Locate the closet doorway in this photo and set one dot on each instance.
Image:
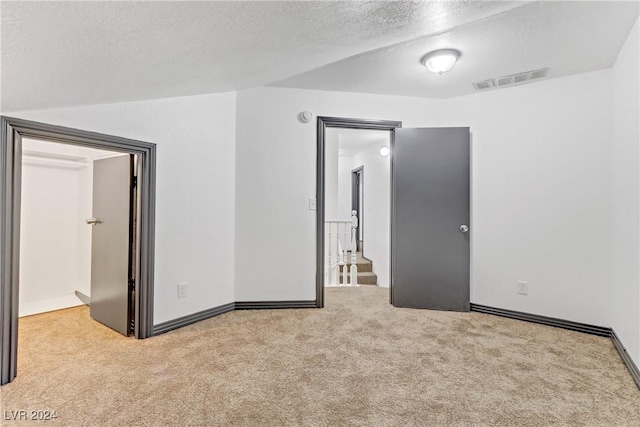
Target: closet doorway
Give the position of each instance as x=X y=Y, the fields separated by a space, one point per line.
x=125 y=187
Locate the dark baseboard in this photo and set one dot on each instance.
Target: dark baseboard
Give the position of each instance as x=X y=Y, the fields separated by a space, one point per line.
x=572 y=326
x=268 y=305
x=170 y=325
x=82 y=297
x=543 y=320
x=167 y=326
x=624 y=355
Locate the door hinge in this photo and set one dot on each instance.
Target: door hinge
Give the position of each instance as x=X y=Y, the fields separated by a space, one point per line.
x=135 y=182
x=132 y=284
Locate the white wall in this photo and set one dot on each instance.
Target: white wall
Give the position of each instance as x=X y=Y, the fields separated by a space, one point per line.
x=195 y=189
x=85 y=210
x=346 y=164
x=332 y=173
x=275 y=177
x=625 y=200
x=55 y=249
x=541 y=180
x=540 y=197
x=49 y=230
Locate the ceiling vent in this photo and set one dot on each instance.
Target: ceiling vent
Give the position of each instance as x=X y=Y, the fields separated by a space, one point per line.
x=512 y=80
x=485 y=84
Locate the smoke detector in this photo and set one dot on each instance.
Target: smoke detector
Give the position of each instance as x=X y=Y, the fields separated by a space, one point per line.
x=511 y=80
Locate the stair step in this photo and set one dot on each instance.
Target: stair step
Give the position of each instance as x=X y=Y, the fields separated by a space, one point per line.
x=364 y=278
x=363 y=264
x=363 y=267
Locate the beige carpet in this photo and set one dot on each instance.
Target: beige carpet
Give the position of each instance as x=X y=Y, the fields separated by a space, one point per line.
x=357 y=362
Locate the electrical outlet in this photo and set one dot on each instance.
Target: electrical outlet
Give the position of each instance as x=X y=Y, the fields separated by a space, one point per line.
x=182 y=290
x=523 y=287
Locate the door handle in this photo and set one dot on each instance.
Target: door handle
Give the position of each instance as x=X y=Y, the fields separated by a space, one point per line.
x=464 y=228
x=92 y=221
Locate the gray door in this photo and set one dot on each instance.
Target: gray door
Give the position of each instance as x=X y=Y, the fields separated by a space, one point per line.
x=111 y=242
x=430 y=218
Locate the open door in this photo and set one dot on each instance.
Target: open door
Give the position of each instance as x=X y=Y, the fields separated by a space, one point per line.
x=430 y=219
x=112 y=242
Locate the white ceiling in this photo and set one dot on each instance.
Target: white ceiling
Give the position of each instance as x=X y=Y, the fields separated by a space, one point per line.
x=74 y=53
x=567 y=37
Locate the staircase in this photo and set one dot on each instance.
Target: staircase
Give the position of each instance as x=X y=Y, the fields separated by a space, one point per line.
x=340 y=242
x=366 y=276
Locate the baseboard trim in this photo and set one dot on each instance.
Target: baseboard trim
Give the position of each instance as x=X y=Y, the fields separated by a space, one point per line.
x=170 y=325
x=544 y=320
x=626 y=359
x=269 y=305
x=82 y=297
x=572 y=326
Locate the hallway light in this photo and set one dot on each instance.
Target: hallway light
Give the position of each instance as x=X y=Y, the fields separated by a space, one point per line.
x=384 y=151
x=440 y=61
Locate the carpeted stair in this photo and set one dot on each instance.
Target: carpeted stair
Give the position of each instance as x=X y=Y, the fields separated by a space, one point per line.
x=366 y=276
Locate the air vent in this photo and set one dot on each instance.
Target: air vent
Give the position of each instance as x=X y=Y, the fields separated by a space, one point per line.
x=512 y=80
x=485 y=84
x=521 y=78
x=538 y=74
x=505 y=81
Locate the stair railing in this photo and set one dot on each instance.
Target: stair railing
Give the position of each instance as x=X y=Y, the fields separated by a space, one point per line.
x=338 y=235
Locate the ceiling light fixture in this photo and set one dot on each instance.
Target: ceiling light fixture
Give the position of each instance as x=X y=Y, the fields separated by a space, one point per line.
x=440 y=60
x=384 y=151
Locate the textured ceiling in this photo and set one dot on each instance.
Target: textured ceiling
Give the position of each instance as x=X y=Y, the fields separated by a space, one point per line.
x=74 y=53
x=567 y=37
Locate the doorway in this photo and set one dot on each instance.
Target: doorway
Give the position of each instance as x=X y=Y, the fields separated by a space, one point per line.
x=13 y=131
x=330 y=124
x=429 y=215
x=357 y=224
x=60 y=194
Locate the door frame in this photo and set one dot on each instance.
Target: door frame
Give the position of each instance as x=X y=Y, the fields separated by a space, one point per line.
x=355 y=203
x=325 y=122
x=12 y=130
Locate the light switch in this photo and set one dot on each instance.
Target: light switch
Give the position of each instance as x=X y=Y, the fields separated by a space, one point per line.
x=523 y=287
x=312 y=203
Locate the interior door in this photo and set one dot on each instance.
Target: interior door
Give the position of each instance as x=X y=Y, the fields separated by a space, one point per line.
x=430 y=218
x=111 y=245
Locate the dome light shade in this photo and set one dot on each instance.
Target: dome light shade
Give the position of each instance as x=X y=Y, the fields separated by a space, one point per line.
x=441 y=60
x=384 y=151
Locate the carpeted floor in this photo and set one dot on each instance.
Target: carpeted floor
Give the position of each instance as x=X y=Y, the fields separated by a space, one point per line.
x=357 y=362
